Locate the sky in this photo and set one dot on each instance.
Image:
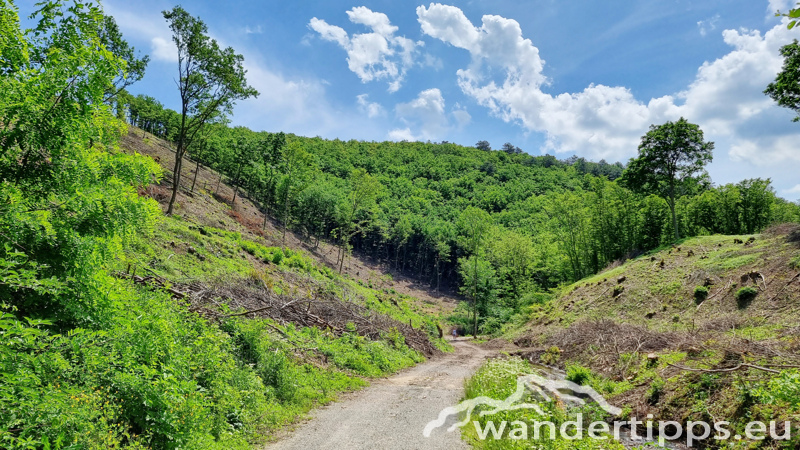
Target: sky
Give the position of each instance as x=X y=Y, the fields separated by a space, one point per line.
x=553 y=77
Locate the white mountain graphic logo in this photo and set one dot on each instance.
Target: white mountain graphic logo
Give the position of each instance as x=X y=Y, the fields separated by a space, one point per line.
x=563 y=390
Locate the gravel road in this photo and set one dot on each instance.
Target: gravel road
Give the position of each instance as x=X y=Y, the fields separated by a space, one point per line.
x=392 y=413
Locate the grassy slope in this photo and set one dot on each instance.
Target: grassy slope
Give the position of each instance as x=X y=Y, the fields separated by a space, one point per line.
x=210 y=242
x=662 y=297
x=612 y=322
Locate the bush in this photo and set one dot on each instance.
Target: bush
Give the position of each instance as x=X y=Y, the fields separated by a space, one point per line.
x=277 y=257
x=655 y=391
x=578 y=374
x=700 y=294
x=785 y=387
x=745 y=296
x=535 y=298
x=551 y=356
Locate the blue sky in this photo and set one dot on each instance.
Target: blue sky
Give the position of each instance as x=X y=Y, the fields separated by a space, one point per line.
x=560 y=77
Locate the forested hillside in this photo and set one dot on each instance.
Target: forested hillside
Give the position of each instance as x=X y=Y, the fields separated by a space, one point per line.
x=409 y=203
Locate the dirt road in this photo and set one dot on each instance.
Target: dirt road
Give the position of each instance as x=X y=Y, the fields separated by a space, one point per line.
x=392 y=413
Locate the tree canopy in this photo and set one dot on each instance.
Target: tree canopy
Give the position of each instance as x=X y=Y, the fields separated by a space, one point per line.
x=785 y=90
x=670 y=156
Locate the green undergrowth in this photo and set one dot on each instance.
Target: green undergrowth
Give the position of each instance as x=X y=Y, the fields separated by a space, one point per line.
x=738 y=398
x=497 y=379
x=152 y=375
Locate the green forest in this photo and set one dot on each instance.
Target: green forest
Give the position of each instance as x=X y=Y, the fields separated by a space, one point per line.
x=89 y=359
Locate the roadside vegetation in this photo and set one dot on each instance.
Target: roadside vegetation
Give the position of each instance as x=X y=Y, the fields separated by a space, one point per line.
x=144 y=308
x=498 y=380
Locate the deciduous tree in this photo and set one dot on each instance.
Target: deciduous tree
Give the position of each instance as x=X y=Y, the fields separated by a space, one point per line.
x=210 y=81
x=297 y=173
x=670 y=155
x=473 y=225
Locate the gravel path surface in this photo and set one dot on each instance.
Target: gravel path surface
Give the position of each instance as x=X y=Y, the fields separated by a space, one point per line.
x=392 y=413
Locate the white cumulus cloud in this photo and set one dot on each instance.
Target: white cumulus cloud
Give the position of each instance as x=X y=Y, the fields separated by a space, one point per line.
x=779 y=5
x=402 y=134
x=725 y=98
x=371 y=56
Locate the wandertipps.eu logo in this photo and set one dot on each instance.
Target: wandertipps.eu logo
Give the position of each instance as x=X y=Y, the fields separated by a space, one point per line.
x=546 y=390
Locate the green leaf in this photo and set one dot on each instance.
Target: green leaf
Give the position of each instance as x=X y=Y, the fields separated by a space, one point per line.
x=794 y=14
x=792 y=24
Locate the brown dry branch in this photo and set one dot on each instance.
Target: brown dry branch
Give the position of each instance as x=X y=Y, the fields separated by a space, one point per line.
x=597 y=298
x=608 y=340
x=785 y=286
x=725 y=289
x=731 y=369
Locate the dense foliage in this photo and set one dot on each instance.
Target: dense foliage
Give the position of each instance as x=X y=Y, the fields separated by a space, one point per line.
x=785 y=90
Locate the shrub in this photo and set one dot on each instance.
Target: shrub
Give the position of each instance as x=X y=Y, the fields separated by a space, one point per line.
x=491 y=325
x=700 y=294
x=745 y=295
x=578 y=374
x=535 y=298
x=277 y=257
x=551 y=356
x=785 y=387
x=655 y=391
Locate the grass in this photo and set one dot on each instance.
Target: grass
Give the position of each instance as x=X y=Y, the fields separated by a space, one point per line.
x=727 y=261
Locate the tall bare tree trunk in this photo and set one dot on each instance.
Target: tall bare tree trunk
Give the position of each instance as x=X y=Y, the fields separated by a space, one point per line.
x=285 y=220
x=196 y=171
x=176 y=180
x=475 y=300
x=674 y=216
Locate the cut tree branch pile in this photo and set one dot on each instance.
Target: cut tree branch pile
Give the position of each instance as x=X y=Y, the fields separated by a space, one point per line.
x=324 y=310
